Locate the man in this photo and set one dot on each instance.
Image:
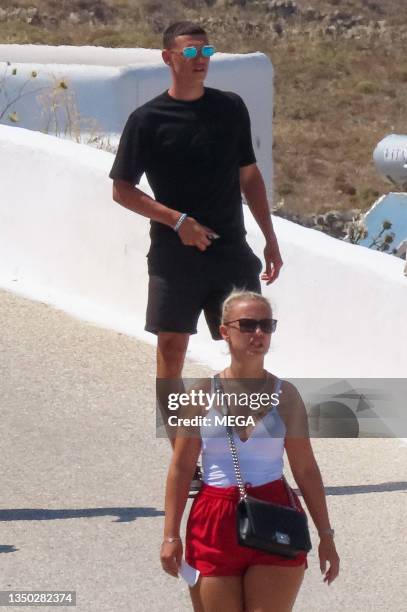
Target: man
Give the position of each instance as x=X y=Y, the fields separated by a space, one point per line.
x=194 y=144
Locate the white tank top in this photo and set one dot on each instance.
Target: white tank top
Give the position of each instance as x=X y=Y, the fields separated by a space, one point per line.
x=260 y=457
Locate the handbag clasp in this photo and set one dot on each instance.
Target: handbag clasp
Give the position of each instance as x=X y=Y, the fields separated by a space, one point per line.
x=282 y=538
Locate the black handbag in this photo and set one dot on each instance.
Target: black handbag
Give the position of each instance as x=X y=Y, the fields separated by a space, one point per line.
x=272 y=528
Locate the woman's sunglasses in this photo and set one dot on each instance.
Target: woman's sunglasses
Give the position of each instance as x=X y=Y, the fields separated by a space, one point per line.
x=249 y=326
x=192 y=52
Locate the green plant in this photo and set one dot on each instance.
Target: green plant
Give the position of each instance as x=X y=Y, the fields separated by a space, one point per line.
x=285 y=189
x=368 y=194
x=367 y=87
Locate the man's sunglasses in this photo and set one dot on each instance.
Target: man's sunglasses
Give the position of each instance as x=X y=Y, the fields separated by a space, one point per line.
x=192 y=52
x=249 y=326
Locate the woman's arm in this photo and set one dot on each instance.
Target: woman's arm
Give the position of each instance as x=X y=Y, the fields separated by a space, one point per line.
x=308 y=477
x=180 y=473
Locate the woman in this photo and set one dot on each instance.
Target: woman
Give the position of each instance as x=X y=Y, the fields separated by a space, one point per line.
x=234 y=578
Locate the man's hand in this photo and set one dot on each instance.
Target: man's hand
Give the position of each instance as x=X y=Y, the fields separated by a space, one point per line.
x=273 y=261
x=253 y=187
x=192 y=233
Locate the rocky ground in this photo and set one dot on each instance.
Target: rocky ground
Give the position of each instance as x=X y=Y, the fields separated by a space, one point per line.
x=274 y=17
x=340 y=79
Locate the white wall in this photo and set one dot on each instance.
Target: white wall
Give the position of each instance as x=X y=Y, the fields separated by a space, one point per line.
x=341 y=308
x=85 y=55
x=110 y=83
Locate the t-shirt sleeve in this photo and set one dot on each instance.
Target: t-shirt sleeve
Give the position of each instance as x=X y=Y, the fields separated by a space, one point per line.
x=131 y=157
x=246 y=151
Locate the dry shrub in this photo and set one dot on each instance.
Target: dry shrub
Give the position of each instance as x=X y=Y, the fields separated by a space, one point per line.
x=367 y=87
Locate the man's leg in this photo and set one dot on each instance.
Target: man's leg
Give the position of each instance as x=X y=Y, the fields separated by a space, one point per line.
x=174 y=303
x=238 y=270
x=171 y=350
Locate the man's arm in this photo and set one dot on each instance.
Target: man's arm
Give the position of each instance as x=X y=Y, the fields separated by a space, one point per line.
x=254 y=190
x=191 y=232
x=134 y=199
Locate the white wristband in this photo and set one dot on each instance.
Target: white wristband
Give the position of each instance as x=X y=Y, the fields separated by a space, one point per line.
x=171 y=540
x=180 y=222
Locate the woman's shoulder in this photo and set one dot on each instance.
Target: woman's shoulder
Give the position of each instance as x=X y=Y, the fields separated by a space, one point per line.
x=292 y=409
x=283 y=386
x=287 y=393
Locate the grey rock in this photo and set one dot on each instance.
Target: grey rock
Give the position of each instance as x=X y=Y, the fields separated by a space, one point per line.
x=310 y=14
x=278 y=28
x=331 y=216
x=350 y=215
x=31 y=11
x=14 y=13
x=339 y=16
x=330 y=30
x=36 y=20
x=74 y=18
x=31 y=15
x=283 y=8
x=308 y=220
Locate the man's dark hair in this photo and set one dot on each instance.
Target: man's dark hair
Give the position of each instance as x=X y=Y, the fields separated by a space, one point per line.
x=180 y=28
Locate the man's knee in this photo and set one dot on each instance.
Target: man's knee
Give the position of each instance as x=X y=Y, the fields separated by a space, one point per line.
x=172 y=344
x=171 y=350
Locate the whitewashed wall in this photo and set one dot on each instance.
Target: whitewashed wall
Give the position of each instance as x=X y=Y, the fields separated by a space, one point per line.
x=110 y=83
x=341 y=307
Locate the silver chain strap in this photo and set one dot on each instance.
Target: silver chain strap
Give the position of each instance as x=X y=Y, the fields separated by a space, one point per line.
x=235 y=458
x=236 y=465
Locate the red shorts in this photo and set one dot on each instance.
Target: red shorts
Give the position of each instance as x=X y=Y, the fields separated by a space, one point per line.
x=211 y=539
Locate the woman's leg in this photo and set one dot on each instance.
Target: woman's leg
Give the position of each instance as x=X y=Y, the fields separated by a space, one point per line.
x=218 y=594
x=272 y=588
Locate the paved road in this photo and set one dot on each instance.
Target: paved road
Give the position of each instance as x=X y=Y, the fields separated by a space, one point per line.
x=82 y=478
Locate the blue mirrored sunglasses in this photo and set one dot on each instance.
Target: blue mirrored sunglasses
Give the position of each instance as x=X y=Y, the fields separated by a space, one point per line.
x=192 y=52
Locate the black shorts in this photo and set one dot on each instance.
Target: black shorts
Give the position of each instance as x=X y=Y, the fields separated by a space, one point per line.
x=181 y=287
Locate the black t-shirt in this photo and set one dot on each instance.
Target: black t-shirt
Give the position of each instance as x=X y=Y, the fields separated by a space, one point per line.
x=191 y=152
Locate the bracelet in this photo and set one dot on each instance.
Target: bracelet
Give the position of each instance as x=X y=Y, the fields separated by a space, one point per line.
x=330 y=532
x=180 y=222
x=171 y=540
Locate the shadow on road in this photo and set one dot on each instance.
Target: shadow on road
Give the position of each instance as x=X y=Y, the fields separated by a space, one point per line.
x=124 y=515
x=385 y=487
x=7 y=548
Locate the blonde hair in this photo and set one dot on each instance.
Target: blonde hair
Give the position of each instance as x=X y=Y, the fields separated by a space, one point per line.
x=238 y=295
